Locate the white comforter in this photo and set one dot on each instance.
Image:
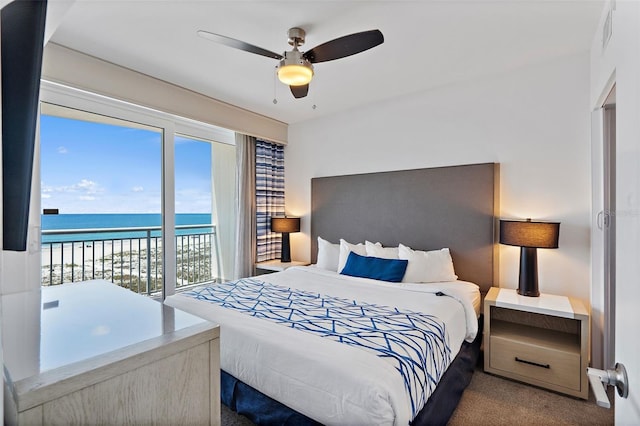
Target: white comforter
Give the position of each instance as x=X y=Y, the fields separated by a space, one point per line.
x=331 y=382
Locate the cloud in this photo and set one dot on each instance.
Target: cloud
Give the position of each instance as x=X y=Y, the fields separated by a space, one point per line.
x=88 y=186
x=62 y=150
x=45 y=188
x=137 y=189
x=85 y=186
x=88 y=196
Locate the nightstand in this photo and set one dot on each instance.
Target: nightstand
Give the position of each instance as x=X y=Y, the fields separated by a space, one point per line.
x=270 y=266
x=543 y=341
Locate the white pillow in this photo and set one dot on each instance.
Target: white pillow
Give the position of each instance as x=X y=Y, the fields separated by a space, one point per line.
x=328 y=255
x=376 y=250
x=427 y=266
x=345 y=249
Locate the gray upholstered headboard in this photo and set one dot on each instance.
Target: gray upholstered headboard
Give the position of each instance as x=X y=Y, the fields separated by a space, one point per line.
x=425 y=209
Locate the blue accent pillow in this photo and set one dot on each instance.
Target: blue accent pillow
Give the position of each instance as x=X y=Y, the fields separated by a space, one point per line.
x=375 y=268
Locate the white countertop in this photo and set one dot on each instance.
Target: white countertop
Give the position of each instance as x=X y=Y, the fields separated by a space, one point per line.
x=549 y=304
x=60 y=325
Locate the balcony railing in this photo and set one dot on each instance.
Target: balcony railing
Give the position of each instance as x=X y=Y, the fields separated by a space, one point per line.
x=129 y=257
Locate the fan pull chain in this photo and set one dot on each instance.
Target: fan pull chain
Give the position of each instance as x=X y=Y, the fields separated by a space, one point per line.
x=313 y=106
x=275 y=101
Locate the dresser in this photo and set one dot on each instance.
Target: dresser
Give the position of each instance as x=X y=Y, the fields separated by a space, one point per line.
x=95 y=353
x=542 y=340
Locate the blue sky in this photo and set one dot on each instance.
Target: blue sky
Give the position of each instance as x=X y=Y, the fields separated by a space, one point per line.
x=91 y=167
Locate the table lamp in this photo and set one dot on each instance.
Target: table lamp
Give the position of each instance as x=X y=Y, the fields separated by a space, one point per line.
x=529 y=236
x=285 y=225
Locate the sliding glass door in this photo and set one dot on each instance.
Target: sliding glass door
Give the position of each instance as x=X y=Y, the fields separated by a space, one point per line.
x=101 y=188
x=197 y=253
x=139 y=197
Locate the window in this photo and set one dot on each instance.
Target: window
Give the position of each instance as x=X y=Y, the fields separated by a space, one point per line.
x=101 y=176
x=135 y=181
x=197 y=253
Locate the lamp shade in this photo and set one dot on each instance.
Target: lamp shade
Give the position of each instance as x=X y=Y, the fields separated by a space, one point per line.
x=529 y=234
x=285 y=224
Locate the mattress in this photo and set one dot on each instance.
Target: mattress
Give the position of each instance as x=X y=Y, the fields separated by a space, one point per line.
x=332 y=377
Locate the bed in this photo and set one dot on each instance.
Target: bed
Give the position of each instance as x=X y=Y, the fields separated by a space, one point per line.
x=298 y=338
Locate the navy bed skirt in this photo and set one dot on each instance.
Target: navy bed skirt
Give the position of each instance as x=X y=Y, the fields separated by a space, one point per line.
x=262 y=410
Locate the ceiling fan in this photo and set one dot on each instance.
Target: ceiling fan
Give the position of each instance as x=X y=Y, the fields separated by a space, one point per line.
x=295 y=68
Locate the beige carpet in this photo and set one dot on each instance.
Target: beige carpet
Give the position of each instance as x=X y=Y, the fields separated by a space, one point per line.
x=491 y=400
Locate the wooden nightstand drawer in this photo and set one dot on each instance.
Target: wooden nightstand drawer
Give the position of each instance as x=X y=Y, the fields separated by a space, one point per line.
x=537 y=363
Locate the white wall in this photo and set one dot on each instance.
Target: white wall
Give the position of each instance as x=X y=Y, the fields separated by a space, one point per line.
x=534 y=122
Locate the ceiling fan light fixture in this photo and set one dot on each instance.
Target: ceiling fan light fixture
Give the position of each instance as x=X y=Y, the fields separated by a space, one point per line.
x=295 y=75
x=294 y=70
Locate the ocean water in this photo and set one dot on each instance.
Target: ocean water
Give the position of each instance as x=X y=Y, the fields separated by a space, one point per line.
x=92 y=222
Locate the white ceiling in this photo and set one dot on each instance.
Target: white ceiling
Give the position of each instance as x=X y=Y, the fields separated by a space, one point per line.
x=427 y=44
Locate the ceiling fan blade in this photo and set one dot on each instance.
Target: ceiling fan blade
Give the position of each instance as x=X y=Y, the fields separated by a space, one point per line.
x=237 y=44
x=344 y=46
x=299 y=91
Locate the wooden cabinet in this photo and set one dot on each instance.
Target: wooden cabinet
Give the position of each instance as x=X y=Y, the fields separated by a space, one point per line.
x=542 y=340
x=96 y=353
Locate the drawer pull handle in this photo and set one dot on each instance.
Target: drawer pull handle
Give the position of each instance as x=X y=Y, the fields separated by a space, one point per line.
x=524 y=361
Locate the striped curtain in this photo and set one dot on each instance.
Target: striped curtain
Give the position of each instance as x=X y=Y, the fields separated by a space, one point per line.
x=269 y=197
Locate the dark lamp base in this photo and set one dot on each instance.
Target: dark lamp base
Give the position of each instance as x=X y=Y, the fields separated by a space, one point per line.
x=285 y=254
x=529 y=293
x=528 y=281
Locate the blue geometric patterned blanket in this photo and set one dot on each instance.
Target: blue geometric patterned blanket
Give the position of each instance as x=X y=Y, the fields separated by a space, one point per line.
x=416 y=344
